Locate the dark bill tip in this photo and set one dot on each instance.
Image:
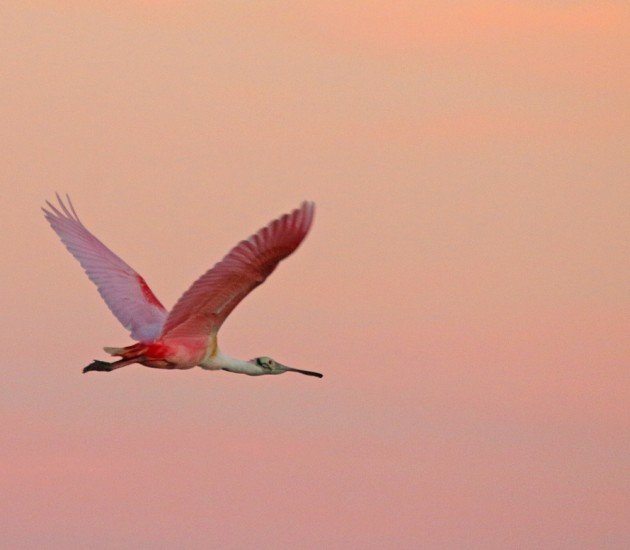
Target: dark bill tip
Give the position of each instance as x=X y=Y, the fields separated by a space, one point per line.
x=307 y=372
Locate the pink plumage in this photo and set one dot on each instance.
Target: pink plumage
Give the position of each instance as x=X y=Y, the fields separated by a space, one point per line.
x=125 y=292
x=207 y=303
x=187 y=336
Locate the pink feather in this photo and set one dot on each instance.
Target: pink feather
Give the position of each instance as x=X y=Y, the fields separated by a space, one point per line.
x=125 y=292
x=202 y=309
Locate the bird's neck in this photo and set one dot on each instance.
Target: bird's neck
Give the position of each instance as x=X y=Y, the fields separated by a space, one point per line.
x=225 y=362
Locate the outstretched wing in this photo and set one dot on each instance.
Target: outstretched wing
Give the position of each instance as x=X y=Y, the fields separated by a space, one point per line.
x=125 y=292
x=206 y=304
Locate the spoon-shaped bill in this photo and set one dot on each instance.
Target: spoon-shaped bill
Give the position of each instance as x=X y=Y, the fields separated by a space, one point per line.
x=307 y=372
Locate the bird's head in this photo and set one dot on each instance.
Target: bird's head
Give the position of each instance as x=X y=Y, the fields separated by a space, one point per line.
x=270 y=366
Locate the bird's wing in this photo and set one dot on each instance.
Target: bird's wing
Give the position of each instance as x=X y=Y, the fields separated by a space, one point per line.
x=206 y=304
x=125 y=292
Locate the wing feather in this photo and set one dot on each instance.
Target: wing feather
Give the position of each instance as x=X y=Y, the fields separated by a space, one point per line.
x=206 y=304
x=125 y=292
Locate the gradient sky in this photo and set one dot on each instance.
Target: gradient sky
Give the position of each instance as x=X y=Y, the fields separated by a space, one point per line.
x=464 y=289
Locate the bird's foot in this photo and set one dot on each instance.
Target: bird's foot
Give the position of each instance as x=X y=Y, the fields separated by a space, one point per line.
x=102 y=366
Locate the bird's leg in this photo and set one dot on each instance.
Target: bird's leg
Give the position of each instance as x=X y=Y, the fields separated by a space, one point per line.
x=98 y=365
x=104 y=366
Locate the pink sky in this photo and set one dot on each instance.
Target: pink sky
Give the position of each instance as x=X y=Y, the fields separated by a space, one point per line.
x=464 y=289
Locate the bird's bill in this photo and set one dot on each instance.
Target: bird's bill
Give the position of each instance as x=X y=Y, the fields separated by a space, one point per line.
x=307 y=372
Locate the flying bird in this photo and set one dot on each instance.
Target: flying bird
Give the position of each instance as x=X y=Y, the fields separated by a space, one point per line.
x=186 y=336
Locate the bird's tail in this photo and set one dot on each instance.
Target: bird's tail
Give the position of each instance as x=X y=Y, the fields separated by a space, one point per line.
x=129 y=355
x=128 y=352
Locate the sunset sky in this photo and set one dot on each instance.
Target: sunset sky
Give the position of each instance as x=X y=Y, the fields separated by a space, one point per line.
x=464 y=288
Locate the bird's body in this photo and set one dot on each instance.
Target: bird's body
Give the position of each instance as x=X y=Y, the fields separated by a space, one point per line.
x=186 y=336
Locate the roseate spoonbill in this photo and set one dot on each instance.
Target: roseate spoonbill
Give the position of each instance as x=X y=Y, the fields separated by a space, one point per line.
x=187 y=335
